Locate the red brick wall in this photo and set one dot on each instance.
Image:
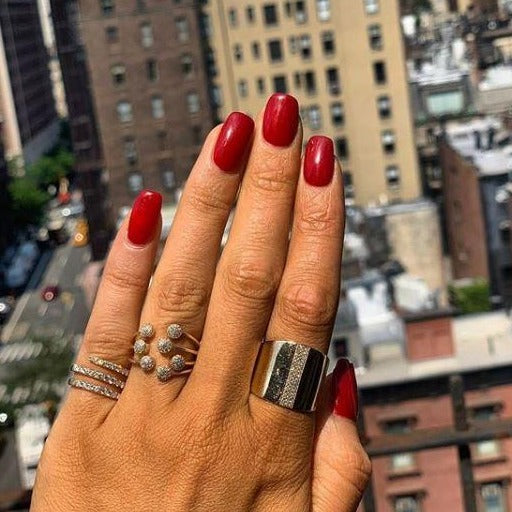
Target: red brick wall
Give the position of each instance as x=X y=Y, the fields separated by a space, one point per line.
x=437 y=475
x=429 y=339
x=464 y=216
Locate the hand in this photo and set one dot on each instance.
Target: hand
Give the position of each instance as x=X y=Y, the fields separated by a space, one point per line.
x=202 y=441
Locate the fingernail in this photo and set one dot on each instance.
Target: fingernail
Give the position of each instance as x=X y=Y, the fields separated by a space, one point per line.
x=281 y=120
x=319 y=161
x=144 y=217
x=345 y=389
x=233 y=141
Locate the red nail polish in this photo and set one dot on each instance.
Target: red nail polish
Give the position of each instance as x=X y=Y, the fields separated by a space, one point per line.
x=319 y=161
x=281 y=120
x=345 y=390
x=233 y=141
x=144 y=217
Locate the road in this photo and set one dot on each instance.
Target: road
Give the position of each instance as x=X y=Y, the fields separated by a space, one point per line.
x=33 y=317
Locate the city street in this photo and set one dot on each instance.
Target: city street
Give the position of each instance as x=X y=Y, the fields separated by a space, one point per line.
x=67 y=314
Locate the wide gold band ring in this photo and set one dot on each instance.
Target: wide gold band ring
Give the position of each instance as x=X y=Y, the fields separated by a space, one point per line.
x=289 y=374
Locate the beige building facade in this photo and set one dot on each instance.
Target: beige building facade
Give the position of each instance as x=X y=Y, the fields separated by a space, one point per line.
x=345 y=63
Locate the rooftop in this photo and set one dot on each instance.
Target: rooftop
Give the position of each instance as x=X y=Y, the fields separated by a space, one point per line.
x=481 y=341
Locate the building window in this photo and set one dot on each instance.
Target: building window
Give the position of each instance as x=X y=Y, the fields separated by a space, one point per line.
x=233 y=17
x=393 y=181
x=157 y=107
x=337 y=114
x=323 y=10
x=112 y=34
x=187 y=65
x=328 y=43
x=146 y=35
x=118 y=72
x=124 y=111
x=400 y=462
x=293 y=44
x=211 y=64
x=275 y=50
x=491 y=447
x=301 y=14
x=305 y=46
x=193 y=104
x=197 y=134
x=243 y=89
x=348 y=185
x=375 y=36
x=371 y=6
x=167 y=174
x=314 y=116
x=217 y=98
x=135 y=182
x=256 y=51
x=108 y=7
x=388 y=141
x=493 y=497
x=270 y=14
x=130 y=150
x=182 y=29
x=161 y=137
x=260 y=85
x=141 y=5
x=342 y=147
x=407 y=504
x=333 y=81
x=310 y=82
x=206 y=25
x=379 y=72
x=280 y=84
x=152 y=70
x=238 y=53
x=384 y=107
x=250 y=14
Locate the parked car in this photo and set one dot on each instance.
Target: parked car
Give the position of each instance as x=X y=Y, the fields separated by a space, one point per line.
x=50 y=293
x=6 y=308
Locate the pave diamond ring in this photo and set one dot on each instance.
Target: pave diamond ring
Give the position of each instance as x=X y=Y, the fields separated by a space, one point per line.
x=289 y=374
x=171 y=347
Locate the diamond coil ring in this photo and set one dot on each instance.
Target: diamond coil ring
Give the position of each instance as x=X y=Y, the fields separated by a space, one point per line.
x=115 y=381
x=289 y=374
x=170 y=347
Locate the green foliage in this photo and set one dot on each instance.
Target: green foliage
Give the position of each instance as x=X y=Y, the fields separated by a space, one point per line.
x=42 y=377
x=470 y=296
x=49 y=170
x=28 y=201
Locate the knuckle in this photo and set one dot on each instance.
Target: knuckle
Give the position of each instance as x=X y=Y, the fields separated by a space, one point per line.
x=107 y=337
x=124 y=278
x=184 y=295
x=320 y=217
x=273 y=175
x=311 y=305
x=251 y=280
x=206 y=200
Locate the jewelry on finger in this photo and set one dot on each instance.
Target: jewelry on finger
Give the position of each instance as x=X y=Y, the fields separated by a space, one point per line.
x=289 y=374
x=165 y=346
x=140 y=347
x=147 y=363
x=97 y=375
x=109 y=365
x=176 y=331
x=164 y=373
x=146 y=331
x=93 y=388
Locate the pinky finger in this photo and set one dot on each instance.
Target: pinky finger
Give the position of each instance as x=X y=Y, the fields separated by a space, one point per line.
x=116 y=312
x=341 y=468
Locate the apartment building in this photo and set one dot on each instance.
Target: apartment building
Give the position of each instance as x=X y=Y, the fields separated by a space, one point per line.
x=27 y=105
x=345 y=63
x=150 y=92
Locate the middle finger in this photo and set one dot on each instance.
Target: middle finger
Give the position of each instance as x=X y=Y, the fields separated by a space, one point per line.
x=250 y=268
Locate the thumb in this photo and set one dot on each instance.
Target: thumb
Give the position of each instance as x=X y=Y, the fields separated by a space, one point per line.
x=341 y=467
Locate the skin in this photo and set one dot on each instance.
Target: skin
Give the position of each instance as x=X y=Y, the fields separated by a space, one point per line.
x=203 y=442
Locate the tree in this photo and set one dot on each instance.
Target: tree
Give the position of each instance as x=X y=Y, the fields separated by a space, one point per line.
x=49 y=170
x=28 y=201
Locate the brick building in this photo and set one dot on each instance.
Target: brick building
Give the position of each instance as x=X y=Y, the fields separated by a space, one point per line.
x=150 y=92
x=434 y=416
x=82 y=122
x=475 y=172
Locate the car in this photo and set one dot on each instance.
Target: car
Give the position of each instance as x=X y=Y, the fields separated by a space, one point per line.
x=6 y=307
x=50 y=293
x=81 y=237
